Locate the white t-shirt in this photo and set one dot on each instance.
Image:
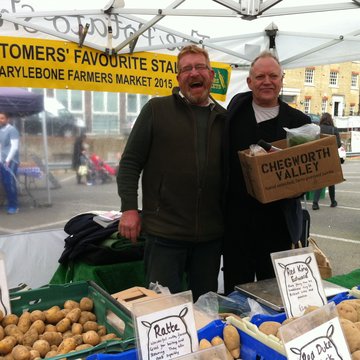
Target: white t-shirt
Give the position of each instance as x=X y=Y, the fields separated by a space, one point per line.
x=265 y=113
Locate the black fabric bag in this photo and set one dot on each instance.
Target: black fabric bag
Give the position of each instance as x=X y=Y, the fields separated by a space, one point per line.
x=305 y=229
x=95 y=245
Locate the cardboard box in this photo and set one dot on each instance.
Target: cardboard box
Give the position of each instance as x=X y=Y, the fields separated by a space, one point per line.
x=292 y=170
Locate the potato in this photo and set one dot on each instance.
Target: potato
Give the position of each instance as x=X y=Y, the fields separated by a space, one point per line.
x=90 y=325
x=13 y=330
x=83 y=347
x=2 y=332
x=54 y=315
x=7 y=344
x=86 y=304
x=347 y=311
x=20 y=352
x=42 y=346
x=269 y=327
x=351 y=333
x=67 y=345
x=109 y=336
x=86 y=316
x=288 y=320
x=67 y=334
x=63 y=325
x=78 y=339
x=71 y=304
x=24 y=322
x=50 y=328
x=232 y=340
x=30 y=337
x=51 y=353
x=39 y=325
x=52 y=337
x=310 y=308
x=34 y=354
x=355 y=355
x=1 y=315
x=91 y=337
x=37 y=315
x=74 y=315
x=217 y=340
x=101 y=330
x=10 y=319
x=8 y=357
x=77 y=328
x=204 y=344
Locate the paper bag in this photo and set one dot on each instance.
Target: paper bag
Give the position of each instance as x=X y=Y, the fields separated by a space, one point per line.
x=321 y=259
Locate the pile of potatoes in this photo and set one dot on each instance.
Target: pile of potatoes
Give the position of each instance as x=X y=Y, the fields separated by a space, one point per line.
x=349 y=316
x=231 y=340
x=43 y=334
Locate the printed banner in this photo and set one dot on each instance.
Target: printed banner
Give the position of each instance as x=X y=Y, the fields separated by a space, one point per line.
x=39 y=63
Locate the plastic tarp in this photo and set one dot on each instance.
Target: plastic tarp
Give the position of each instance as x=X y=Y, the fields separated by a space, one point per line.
x=32 y=258
x=21 y=102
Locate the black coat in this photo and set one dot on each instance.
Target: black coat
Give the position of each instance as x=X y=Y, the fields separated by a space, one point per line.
x=243 y=130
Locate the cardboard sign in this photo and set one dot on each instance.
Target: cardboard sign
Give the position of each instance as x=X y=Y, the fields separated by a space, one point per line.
x=4 y=290
x=317 y=335
x=299 y=280
x=165 y=327
x=292 y=170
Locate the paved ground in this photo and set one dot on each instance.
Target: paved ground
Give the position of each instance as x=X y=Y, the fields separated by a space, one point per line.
x=337 y=230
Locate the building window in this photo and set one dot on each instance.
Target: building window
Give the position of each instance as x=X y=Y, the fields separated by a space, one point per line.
x=352 y=109
x=105 y=112
x=307 y=106
x=324 y=104
x=135 y=102
x=333 y=78
x=354 y=80
x=71 y=99
x=309 y=76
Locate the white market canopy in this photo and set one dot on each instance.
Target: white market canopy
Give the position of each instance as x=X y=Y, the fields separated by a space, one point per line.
x=303 y=33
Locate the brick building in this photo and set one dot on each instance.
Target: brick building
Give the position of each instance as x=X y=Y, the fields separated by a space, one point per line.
x=328 y=88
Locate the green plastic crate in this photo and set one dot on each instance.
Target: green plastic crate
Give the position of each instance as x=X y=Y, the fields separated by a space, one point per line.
x=106 y=308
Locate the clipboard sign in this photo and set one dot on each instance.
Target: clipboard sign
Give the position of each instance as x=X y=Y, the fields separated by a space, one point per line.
x=317 y=335
x=4 y=290
x=165 y=327
x=299 y=280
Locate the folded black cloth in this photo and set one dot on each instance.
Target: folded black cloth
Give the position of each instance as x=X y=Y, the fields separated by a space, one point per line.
x=93 y=244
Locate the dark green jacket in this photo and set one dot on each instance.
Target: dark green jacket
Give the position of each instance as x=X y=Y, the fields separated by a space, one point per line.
x=178 y=202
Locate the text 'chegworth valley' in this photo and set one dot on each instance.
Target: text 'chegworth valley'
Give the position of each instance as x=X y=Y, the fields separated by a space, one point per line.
x=297 y=165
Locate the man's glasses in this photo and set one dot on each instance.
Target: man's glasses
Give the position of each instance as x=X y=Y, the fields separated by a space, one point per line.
x=189 y=68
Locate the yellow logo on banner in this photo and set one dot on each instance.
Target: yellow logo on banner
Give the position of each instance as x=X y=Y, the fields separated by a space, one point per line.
x=40 y=63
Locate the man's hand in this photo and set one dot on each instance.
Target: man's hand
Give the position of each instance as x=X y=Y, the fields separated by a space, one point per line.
x=130 y=225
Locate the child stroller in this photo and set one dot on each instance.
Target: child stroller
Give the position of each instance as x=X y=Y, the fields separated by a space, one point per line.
x=103 y=172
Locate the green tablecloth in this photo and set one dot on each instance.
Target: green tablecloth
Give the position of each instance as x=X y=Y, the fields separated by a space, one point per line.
x=347 y=280
x=112 y=278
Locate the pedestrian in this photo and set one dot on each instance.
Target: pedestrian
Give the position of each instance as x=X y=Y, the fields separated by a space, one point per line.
x=9 y=161
x=79 y=146
x=327 y=127
x=176 y=143
x=85 y=169
x=254 y=228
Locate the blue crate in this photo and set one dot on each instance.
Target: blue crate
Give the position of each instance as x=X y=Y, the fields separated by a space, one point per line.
x=251 y=348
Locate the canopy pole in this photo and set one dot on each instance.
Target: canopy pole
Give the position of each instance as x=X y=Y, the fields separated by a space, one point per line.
x=43 y=118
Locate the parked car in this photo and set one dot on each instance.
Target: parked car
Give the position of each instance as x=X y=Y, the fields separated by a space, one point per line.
x=342 y=153
x=59 y=120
